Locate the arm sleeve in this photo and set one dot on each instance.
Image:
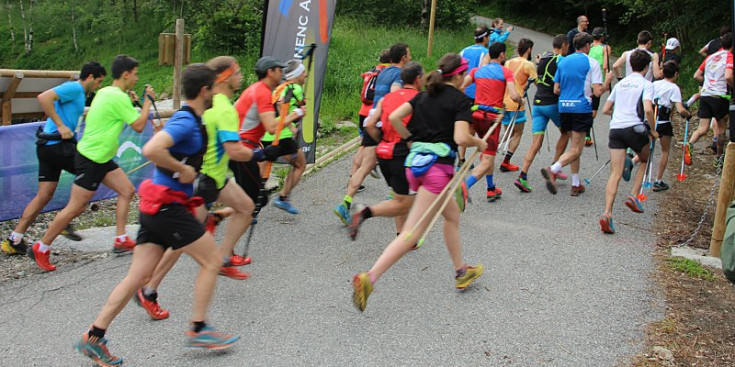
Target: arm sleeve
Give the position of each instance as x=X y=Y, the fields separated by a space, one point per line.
x=464 y=110
x=729 y=61
x=125 y=109
x=263 y=100
x=68 y=91
x=472 y=74
x=228 y=127
x=701 y=66
x=508 y=75
x=647 y=92
x=531 y=70
x=503 y=37
x=179 y=128
x=612 y=95
x=675 y=95
x=595 y=72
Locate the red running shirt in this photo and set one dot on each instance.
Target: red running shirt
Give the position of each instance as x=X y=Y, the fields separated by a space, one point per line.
x=256 y=99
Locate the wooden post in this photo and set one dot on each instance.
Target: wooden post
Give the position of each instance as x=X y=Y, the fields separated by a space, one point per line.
x=432 y=18
x=7 y=100
x=178 y=62
x=727 y=186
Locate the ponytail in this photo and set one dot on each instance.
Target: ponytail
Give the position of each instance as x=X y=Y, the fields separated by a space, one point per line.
x=450 y=65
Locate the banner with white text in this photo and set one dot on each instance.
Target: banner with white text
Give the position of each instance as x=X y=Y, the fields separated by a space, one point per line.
x=290 y=27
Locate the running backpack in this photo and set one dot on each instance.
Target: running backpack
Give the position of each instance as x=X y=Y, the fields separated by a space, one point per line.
x=369 y=79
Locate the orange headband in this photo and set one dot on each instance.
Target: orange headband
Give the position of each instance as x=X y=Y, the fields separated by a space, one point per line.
x=227 y=73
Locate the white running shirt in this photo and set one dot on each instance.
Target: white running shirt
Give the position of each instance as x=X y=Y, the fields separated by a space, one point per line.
x=714 y=67
x=629 y=69
x=668 y=95
x=626 y=95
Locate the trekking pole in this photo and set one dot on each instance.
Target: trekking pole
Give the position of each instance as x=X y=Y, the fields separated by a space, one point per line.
x=594 y=140
x=588 y=180
x=649 y=164
x=507 y=134
x=457 y=178
x=681 y=176
x=452 y=185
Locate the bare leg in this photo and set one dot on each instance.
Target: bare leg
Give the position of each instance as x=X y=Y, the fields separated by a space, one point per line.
x=575 y=151
x=515 y=139
x=451 y=233
x=700 y=131
x=400 y=205
x=204 y=251
x=242 y=206
x=561 y=145
x=77 y=202
x=638 y=182
x=486 y=166
x=536 y=143
x=617 y=164
x=356 y=160
x=665 y=150
x=118 y=181
x=30 y=213
x=367 y=164
x=298 y=164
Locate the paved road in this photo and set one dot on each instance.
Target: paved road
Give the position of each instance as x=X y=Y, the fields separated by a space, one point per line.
x=555 y=291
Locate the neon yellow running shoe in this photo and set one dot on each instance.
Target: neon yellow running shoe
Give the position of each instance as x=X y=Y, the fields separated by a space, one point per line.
x=9 y=248
x=363 y=288
x=471 y=273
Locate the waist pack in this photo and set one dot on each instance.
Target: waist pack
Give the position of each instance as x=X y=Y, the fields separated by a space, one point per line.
x=664 y=113
x=727 y=253
x=67 y=147
x=422 y=162
x=385 y=149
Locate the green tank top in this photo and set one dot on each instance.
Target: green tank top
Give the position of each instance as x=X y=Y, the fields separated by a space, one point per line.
x=597 y=53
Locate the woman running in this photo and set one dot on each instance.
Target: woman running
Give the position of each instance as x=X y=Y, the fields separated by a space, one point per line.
x=440 y=122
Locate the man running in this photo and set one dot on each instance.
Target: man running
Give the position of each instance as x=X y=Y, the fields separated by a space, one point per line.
x=599 y=51
x=63 y=105
x=497 y=34
x=672 y=51
x=669 y=98
x=493 y=81
x=716 y=74
x=389 y=80
x=475 y=55
x=166 y=221
x=111 y=110
x=582 y=24
x=545 y=108
x=523 y=70
x=645 y=42
x=392 y=152
x=578 y=78
x=295 y=74
x=628 y=129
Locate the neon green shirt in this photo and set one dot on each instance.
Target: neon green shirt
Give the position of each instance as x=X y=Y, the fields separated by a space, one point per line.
x=111 y=110
x=298 y=96
x=598 y=53
x=222 y=123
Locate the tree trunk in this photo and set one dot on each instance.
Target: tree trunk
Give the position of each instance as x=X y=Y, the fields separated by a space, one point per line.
x=25 y=27
x=135 y=10
x=10 y=21
x=74 y=25
x=425 y=13
x=29 y=47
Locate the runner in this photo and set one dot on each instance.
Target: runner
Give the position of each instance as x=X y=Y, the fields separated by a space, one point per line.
x=111 y=110
x=257 y=114
x=645 y=42
x=628 y=129
x=669 y=97
x=578 y=78
x=389 y=80
x=497 y=34
x=715 y=44
x=63 y=105
x=167 y=222
x=523 y=70
x=288 y=145
x=441 y=118
x=716 y=73
x=582 y=24
x=223 y=144
x=672 y=51
x=545 y=108
x=367 y=97
x=475 y=56
x=392 y=152
x=494 y=81
x=599 y=51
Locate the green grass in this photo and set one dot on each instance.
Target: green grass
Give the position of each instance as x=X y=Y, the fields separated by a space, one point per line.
x=690 y=268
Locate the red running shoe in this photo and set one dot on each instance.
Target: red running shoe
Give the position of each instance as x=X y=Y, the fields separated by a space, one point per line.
x=41 y=258
x=494 y=194
x=213 y=220
x=151 y=307
x=508 y=167
x=232 y=272
x=123 y=246
x=237 y=260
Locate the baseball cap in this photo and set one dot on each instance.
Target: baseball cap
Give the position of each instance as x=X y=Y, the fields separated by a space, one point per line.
x=672 y=43
x=266 y=63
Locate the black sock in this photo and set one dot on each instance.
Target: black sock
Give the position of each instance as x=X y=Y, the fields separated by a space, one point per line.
x=367 y=213
x=523 y=175
x=283 y=198
x=151 y=297
x=508 y=156
x=96 y=332
x=199 y=326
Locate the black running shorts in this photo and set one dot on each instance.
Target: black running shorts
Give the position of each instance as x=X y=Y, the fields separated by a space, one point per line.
x=247 y=175
x=286 y=146
x=665 y=129
x=579 y=122
x=634 y=137
x=206 y=188
x=173 y=226
x=367 y=140
x=394 y=173
x=90 y=173
x=51 y=162
x=712 y=107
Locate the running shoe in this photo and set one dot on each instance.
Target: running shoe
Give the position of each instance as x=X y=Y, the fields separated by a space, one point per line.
x=361 y=188
x=96 y=350
x=71 y=234
x=391 y=195
x=151 y=307
x=362 y=289
x=561 y=176
x=522 y=185
x=208 y=338
x=588 y=142
x=375 y=172
x=494 y=194
x=123 y=246
x=688 y=154
x=285 y=204
x=508 y=167
x=232 y=272
x=10 y=249
x=213 y=220
x=471 y=273
x=633 y=204
x=460 y=162
x=354 y=227
x=628 y=167
x=41 y=258
x=606 y=224
x=550 y=179
x=576 y=190
x=237 y=260
x=460 y=196
x=660 y=186
x=342 y=213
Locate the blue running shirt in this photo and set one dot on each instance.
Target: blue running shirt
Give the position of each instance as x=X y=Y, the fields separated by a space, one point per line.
x=69 y=107
x=575 y=74
x=474 y=55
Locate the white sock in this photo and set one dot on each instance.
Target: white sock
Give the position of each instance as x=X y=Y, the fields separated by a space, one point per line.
x=148 y=291
x=575 y=179
x=16 y=237
x=556 y=167
x=122 y=238
x=42 y=247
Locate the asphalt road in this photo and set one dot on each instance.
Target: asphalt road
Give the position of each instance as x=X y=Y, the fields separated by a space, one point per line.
x=556 y=292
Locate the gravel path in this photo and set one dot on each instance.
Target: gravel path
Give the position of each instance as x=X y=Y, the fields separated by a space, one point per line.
x=555 y=291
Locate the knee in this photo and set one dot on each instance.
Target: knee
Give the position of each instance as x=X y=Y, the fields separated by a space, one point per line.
x=244 y=207
x=213 y=262
x=127 y=193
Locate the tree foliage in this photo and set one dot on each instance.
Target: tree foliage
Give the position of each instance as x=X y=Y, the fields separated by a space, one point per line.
x=449 y=13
